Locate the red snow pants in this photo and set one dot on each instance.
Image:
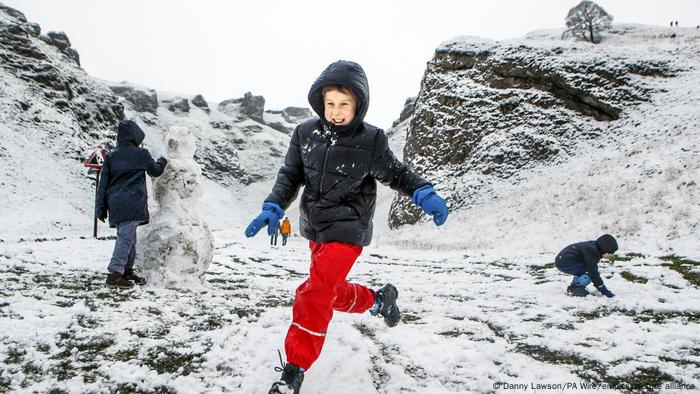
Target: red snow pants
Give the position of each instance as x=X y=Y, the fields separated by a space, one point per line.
x=324 y=291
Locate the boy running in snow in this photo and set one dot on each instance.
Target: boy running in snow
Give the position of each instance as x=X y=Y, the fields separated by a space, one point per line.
x=122 y=193
x=581 y=260
x=338 y=158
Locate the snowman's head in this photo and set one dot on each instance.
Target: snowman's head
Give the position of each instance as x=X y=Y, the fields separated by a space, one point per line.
x=181 y=143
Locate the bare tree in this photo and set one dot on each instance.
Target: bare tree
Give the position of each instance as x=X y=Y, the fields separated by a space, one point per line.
x=587 y=20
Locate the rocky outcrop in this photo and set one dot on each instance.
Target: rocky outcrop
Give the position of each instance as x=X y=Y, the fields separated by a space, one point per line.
x=141 y=99
x=496 y=108
x=199 y=102
x=178 y=104
x=40 y=62
x=60 y=40
x=287 y=119
x=249 y=105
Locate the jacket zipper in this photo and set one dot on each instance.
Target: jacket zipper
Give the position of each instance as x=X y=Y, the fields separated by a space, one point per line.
x=325 y=160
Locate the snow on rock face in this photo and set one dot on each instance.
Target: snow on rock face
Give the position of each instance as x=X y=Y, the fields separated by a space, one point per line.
x=177 y=246
x=142 y=99
x=489 y=111
x=50 y=67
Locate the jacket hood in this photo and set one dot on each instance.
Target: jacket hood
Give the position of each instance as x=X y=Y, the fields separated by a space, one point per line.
x=129 y=133
x=344 y=73
x=606 y=243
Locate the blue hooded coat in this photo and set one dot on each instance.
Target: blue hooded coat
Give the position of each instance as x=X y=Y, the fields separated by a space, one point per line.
x=122 y=187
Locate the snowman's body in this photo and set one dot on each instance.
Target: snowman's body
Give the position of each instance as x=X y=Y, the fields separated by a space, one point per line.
x=177 y=247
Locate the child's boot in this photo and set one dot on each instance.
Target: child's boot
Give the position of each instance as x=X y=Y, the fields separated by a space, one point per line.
x=129 y=274
x=385 y=305
x=290 y=382
x=117 y=280
x=577 y=291
x=578 y=285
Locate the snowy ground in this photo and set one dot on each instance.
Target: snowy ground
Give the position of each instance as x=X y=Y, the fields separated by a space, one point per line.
x=482 y=304
x=469 y=322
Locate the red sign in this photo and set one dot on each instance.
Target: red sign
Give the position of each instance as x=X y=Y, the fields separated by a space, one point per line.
x=96 y=158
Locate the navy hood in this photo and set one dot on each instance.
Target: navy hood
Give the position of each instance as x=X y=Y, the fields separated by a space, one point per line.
x=606 y=244
x=343 y=73
x=129 y=133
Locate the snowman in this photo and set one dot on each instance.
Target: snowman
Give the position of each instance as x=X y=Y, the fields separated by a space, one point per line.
x=177 y=247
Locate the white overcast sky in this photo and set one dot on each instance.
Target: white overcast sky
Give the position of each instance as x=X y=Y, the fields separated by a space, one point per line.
x=222 y=49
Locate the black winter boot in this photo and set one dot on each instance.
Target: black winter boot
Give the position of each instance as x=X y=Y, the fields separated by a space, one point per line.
x=385 y=305
x=116 y=280
x=290 y=382
x=129 y=274
x=577 y=291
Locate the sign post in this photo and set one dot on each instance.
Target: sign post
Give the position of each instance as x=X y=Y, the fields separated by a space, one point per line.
x=94 y=165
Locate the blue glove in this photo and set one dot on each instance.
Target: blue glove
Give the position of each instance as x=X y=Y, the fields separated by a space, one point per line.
x=426 y=198
x=271 y=215
x=604 y=290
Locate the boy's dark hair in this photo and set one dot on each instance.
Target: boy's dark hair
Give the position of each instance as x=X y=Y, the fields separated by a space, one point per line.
x=340 y=88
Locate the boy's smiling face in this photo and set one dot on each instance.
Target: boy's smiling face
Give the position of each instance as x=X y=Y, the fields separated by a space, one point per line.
x=338 y=107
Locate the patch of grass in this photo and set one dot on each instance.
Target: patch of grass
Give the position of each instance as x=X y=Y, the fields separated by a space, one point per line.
x=641 y=380
x=125 y=355
x=247 y=312
x=627 y=257
x=210 y=323
x=275 y=302
x=15 y=355
x=43 y=347
x=132 y=388
x=454 y=333
x=689 y=269
x=408 y=318
x=365 y=330
x=169 y=360
x=644 y=315
x=538 y=270
x=63 y=370
x=157 y=332
x=87 y=321
x=632 y=277
x=87 y=349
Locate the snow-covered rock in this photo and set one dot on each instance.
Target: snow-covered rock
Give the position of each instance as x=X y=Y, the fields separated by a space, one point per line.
x=563 y=139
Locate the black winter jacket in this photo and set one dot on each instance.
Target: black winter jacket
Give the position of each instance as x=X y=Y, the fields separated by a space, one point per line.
x=122 y=188
x=588 y=254
x=338 y=166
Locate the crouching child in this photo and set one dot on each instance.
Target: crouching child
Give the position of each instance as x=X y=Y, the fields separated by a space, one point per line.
x=122 y=194
x=581 y=260
x=338 y=158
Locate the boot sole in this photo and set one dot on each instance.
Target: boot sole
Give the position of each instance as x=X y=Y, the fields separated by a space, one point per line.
x=390 y=301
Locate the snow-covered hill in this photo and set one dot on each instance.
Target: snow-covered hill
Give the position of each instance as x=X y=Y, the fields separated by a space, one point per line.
x=482 y=304
x=551 y=167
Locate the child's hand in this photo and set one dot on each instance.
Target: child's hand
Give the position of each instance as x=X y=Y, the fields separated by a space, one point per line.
x=271 y=215
x=426 y=198
x=604 y=290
